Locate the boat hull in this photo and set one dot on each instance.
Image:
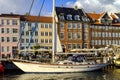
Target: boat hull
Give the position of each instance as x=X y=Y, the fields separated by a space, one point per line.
x=1 y=68
x=49 y=68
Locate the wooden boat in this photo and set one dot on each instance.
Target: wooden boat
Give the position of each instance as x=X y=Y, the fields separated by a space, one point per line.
x=65 y=66
x=29 y=67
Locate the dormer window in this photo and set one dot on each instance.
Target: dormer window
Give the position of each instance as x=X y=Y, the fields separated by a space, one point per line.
x=103 y=20
x=84 y=18
x=61 y=16
x=69 y=17
x=77 y=17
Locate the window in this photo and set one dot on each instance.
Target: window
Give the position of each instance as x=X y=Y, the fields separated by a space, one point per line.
x=69 y=46
x=69 y=17
x=8 y=22
x=46 y=40
x=22 y=33
x=2 y=49
x=15 y=30
x=79 y=25
x=8 y=31
x=42 y=40
x=42 y=33
x=103 y=34
x=8 y=39
x=85 y=36
x=50 y=26
x=2 y=39
x=74 y=46
x=85 y=25
x=85 y=45
x=77 y=17
x=84 y=18
x=46 y=33
x=79 y=35
x=2 y=30
x=61 y=35
x=42 y=25
x=74 y=26
x=8 y=49
x=2 y=21
x=69 y=25
x=29 y=28
x=99 y=34
x=36 y=33
x=29 y=24
x=27 y=40
x=78 y=46
x=109 y=42
x=61 y=16
x=14 y=39
x=14 y=22
x=27 y=33
x=50 y=40
x=50 y=33
x=92 y=42
x=22 y=41
x=109 y=34
x=46 y=25
x=62 y=25
x=69 y=35
x=103 y=42
x=74 y=36
x=36 y=40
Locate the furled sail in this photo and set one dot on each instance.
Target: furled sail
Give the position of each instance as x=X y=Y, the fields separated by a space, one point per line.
x=59 y=46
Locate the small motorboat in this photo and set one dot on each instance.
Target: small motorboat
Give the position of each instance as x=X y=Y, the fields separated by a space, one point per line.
x=1 y=68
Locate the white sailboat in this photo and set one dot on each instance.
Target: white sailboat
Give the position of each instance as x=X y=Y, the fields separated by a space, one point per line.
x=61 y=67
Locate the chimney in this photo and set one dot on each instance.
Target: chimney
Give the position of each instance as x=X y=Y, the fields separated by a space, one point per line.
x=76 y=7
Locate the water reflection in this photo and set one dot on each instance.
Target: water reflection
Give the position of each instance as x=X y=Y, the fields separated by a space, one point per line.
x=96 y=75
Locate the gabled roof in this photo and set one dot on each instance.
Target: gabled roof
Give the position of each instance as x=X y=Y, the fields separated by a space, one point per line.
x=29 y=18
x=10 y=15
x=66 y=11
x=114 y=16
x=94 y=15
x=118 y=14
x=36 y=18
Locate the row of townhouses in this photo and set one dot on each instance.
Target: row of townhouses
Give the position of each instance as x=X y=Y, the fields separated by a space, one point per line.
x=75 y=28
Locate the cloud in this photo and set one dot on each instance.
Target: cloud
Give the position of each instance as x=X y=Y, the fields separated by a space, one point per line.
x=97 y=5
x=15 y=6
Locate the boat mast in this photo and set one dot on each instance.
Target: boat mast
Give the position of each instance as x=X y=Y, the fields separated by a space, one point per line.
x=53 y=30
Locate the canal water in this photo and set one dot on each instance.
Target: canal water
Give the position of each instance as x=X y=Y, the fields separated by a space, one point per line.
x=95 y=75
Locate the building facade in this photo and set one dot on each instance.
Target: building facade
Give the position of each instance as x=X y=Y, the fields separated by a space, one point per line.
x=78 y=29
x=9 y=34
x=104 y=29
x=41 y=35
x=73 y=28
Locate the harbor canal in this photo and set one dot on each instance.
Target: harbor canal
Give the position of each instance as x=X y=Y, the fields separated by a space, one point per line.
x=112 y=74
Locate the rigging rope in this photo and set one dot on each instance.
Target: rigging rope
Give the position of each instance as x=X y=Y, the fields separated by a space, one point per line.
x=36 y=24
x=27 y=16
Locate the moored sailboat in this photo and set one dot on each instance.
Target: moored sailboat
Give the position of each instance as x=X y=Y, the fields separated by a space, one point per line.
x=62 y=66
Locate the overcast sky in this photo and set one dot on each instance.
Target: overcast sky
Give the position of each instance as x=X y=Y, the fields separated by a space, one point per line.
x=22 y=6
